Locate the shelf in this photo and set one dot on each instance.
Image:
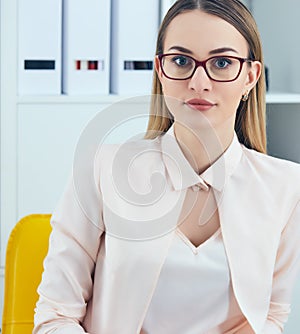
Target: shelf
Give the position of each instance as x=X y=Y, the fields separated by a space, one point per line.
x=282 y=98
x=79 y=99
x=271 y=98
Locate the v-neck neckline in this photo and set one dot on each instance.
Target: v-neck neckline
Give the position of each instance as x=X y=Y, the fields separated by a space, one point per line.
x=196 y=249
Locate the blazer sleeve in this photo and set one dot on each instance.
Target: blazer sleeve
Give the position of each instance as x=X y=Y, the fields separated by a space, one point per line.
x=67 y=280
x=285 y=274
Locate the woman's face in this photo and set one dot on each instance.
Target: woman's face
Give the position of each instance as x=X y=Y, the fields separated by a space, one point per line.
x=199 y=102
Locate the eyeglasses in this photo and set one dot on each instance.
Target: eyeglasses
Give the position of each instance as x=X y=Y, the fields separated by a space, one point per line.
x=177 y=66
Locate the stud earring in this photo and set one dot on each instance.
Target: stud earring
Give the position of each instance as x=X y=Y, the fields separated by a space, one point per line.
x=245 y=96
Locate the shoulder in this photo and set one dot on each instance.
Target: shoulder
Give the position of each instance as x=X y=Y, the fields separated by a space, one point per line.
x=270 y=184
x=142 y=152
x=281 y=173
x=128 y=168
x=272 y=164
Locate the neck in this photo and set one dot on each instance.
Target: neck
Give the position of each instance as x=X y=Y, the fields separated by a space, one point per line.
x=202 y=148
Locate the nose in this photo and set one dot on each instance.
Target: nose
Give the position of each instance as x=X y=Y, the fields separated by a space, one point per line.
x=200 y=81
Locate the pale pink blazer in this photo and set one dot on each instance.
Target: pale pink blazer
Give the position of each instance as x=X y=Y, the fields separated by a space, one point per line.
x=116 y=219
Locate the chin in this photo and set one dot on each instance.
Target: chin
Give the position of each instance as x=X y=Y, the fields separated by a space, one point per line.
x=197 y=121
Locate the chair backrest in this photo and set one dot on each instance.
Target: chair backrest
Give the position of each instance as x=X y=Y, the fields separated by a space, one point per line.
x=26 y=249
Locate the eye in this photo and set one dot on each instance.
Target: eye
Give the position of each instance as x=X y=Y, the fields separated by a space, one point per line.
x=222 y=62
x=181 y=60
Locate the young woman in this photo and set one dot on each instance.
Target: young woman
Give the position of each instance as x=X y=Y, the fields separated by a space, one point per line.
x=194 y=229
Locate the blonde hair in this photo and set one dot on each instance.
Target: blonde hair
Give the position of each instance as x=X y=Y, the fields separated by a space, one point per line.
x=250 y=123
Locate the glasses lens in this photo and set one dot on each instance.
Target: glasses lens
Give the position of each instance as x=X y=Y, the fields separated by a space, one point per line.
x=223 y=68
x=177 y=66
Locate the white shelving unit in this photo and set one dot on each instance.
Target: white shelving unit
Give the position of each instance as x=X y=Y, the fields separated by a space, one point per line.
x=39 y=133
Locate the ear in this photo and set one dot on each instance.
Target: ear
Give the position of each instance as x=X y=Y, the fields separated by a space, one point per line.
x=254 y=73
x=158 y=68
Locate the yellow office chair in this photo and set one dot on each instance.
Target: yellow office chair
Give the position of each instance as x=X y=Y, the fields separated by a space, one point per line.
x=27 y=246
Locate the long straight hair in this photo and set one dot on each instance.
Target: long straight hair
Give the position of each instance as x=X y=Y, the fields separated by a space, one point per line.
x=250 y=123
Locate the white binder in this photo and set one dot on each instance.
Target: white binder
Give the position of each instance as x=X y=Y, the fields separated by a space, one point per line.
x=86 y=41
x=134 y=31
x=39 y=47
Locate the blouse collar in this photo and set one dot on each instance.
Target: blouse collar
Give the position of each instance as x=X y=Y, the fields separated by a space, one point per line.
x=182 y=174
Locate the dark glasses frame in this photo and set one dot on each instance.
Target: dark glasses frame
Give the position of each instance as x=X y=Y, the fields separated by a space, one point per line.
x=202 y=64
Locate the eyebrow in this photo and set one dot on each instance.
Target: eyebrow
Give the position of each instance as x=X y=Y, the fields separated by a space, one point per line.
x=212 y=52
x=221 y=50
x=180 y=48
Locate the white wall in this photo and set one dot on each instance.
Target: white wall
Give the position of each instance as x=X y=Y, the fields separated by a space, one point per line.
x=279 y=25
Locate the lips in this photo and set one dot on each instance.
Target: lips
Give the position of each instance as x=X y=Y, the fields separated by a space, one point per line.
x=200 y=104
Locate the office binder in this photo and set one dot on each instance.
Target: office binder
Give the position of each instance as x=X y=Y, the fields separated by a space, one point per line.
x=134 y=31
x=39 y=47
x=86 y=40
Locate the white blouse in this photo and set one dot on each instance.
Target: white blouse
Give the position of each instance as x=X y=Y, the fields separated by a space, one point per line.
x=194 y=292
